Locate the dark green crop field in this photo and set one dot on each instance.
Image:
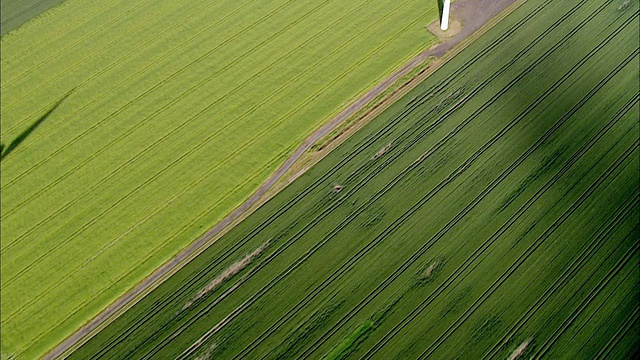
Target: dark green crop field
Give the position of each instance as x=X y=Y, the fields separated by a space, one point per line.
x=492 y=212
x=130 y=128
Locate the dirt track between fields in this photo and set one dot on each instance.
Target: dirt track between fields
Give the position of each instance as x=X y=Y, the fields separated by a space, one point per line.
x=473 y=14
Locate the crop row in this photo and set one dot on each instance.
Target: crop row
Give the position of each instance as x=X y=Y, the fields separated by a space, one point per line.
x=313 y=293
x=54 y=35
x=515 y=265
x=80 y=227
x=110 y=243
x=470 y=260
x=152 y=326
x=156 y=86
x=126 y=56
x=461 y=214
x=569 y=272
x=361 y=208
x=544 y=348
x=623 y=330
x=165 y=55
x=12 y=80
x=122 y=81
x=454 y=174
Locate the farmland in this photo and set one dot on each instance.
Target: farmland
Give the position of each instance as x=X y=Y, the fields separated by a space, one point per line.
x=491 y=212
x=129 y=128
x=16 y=12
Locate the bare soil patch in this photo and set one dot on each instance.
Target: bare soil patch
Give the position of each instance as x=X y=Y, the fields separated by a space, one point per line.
x=455 y=26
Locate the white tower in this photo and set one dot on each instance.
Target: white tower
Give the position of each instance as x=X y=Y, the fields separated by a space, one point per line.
x=444 y=22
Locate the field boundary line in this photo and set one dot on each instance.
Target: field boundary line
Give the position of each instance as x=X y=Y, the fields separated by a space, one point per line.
x=22 y=12
x=189 y=120
x=452 y=176
x=427 y=245
x=137 y=188
x=151 y=282
x=196 y=181
x=465 y=165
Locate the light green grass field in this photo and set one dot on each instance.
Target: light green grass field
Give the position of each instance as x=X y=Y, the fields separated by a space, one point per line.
x=131 y=127
x=502 y=215
x=16 y=12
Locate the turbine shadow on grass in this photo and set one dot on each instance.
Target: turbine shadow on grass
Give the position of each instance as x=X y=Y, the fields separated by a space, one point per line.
x=17 y=141
x=440 y=9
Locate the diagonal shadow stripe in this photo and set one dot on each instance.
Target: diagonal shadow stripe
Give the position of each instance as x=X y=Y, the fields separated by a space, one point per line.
x=17 y=141
x=440 y=8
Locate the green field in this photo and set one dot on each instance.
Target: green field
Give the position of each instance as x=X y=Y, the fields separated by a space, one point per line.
x=492 y=211
x=129 y=128
x=16 y=12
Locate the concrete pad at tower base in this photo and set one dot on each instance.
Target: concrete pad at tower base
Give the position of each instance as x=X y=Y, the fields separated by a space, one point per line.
x=454 y=28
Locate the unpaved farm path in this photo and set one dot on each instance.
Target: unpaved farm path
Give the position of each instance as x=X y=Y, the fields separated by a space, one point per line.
x=472 y=13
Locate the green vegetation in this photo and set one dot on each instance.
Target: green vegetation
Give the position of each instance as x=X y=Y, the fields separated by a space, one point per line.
x=16 y=12
x=138 y=125
x=347 y=345
x=501 y=222
x=339 y=130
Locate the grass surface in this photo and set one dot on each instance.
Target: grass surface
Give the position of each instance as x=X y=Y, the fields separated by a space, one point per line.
x=135 y=126
x=502 y=219
x=16 y=12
